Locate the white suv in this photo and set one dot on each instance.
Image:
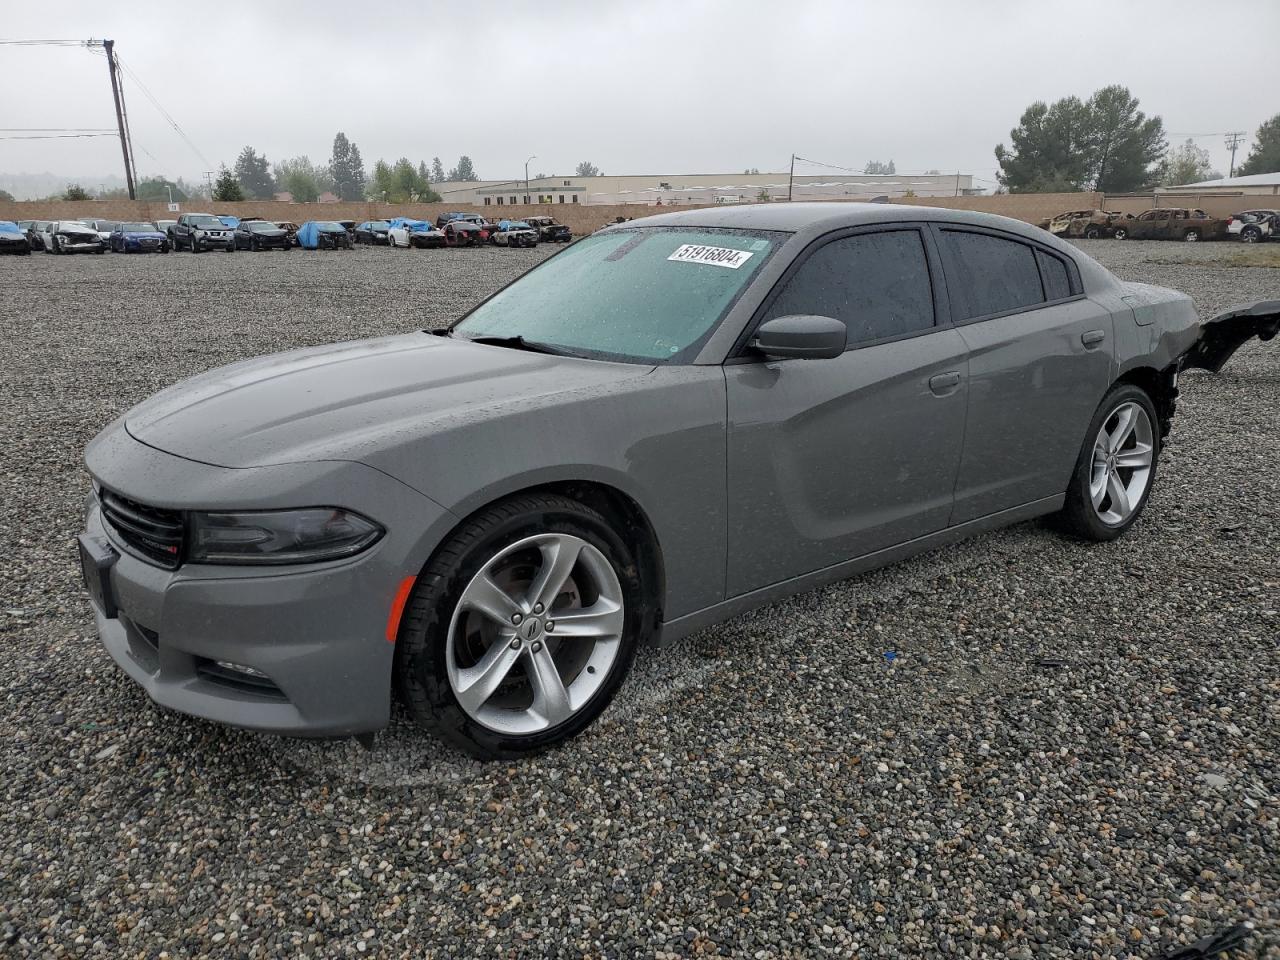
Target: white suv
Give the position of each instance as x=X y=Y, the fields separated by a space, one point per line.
x=1253 y=226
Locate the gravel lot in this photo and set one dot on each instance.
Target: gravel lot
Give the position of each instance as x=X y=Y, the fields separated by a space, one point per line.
x=1075 y=753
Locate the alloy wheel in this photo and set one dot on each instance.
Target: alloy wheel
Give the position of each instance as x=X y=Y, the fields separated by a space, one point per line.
x=1122 y=456
x=535 y=633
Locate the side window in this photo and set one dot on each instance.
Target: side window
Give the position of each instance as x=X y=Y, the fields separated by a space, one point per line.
x=992 y=275
x=877 y=283
x=1057 y=282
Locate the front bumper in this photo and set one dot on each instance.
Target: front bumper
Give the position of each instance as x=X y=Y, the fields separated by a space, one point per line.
x=86 y=246
x=145 y=244
x=214 y=239
x=317 y=631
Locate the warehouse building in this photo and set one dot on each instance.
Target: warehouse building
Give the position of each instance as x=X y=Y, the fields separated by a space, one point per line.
x=1256 y=185
x=704 y=188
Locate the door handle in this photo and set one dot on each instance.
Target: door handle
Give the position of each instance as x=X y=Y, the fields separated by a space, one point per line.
x=1091 y=337
x=944 y=383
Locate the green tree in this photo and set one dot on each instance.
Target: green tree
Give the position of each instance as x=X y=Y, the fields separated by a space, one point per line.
x=464 y=171
x=227 y=187
x=880 y=168
x=75 y=192
x=751 y=171
x=1264 y=156
x=763 y=195
x=154 y=190
x=381 y=182
x=587 y=169
x=254 y=173
x=346 y=167
x=6 y=196
x=1105 y=143
x=303 y=179
x=437 y=170
x=1186 y=164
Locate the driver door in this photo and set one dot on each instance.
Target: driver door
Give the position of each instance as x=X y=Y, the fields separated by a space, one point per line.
x=835 y=459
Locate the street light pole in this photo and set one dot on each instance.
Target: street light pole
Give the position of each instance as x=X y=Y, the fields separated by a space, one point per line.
x=526 y=178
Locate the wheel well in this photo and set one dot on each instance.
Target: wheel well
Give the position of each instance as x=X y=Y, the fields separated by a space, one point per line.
x=1159 y=385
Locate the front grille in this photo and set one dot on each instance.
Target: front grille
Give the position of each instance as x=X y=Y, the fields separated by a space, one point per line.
x=152 y=532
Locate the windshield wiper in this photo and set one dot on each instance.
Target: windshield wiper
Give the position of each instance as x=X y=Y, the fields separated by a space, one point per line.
x=520 y=343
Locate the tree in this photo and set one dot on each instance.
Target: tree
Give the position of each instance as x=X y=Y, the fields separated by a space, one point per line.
x=880 y=168
x=75 y=192
x=254 y=173
x=464 y=171
x=437 y=170
x=751 y=171
x=587 y=169
x=1105 y=143
x=1264 y=156
x=1187 y=164
x=763 y=195
x=6 y=196
x=346 y=168
x=227 y=187
x=156 y=189
x=381 y=182
x=303 y=179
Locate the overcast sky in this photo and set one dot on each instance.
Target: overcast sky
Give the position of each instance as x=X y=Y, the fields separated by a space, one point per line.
x=648 y=87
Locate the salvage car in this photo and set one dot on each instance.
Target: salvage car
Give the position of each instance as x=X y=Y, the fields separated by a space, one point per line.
x=1253 y=226
x=13 y=239
x=668 y=423
x=138 y=237
x=105 y=228
x=201 y=231
x=291 y=228
x=550 y=229
x=373 y=231
x=35 y=233
x=1086 y=224
x=464 y=233
x=403 y=232
x=261 y=235
x=72 y=236
x=323 y=235
x=514 y=233
x=1171 y=223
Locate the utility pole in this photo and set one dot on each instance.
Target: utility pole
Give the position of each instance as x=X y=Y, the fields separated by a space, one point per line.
x=1234 y=139
x=208 y=180
x=526 y=178
x=125 y=146
x=791 y=177
x=957 y=183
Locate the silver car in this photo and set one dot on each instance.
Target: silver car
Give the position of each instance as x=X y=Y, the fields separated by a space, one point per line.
x=670 y=422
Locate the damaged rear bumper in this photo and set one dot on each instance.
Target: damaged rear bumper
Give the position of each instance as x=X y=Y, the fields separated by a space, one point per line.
x=1222 y=335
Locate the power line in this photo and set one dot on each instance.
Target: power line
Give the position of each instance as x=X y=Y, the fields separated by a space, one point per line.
x=1233 y=141
x=58 y=136
x=163 y=112
x=56 y=130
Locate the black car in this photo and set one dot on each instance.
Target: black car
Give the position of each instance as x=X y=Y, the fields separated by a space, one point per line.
x=35 y=232
x=550 y=229
x=13 y=239
x=291 y=228
x=373 y=231
x=261 y=235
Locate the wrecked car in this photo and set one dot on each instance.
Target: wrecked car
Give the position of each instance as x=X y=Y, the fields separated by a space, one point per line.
x=514 y=233
x=550 y=229
x=1085 y=224
x=465 y=233
x=1254 y=226
x=1171 y=223
x=407 y=233
x=669 y=423
x=13 y=239
x=324 y=235
x=72 y=236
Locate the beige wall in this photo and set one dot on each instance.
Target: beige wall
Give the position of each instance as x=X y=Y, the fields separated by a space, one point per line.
x=1216 y=205
x=1030 y=207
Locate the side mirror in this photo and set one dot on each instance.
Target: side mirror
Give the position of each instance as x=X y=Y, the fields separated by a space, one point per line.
x=799 y=337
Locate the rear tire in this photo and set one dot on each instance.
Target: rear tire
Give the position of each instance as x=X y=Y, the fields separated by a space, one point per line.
x=441 y=636
x=1250 y=235
x=1092 y=233
x=1191 y=236
x=1121 y=233
x=1116 y=469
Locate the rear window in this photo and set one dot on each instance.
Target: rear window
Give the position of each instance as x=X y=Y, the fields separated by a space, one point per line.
x=1057 y=282
x=991 y=274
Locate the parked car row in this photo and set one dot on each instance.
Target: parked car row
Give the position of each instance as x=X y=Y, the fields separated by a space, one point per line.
x=461 y=230
x=1165 y=223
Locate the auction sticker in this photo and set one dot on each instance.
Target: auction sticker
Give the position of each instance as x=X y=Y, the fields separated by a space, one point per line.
x=714 y=256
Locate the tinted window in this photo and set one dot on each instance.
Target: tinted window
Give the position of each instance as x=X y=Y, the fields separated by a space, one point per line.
x=1057 y=282
x=992 y=275
x=877 y=283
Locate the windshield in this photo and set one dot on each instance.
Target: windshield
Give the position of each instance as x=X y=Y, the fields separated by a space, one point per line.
x=380 y=225
x=137 y=228
x=205 y=222
x=649 y=294
x=260 y=225
x=330 y=227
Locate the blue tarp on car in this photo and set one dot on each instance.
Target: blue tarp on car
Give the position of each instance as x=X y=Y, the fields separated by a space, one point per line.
x=8 y=226
x=411 y=225
x=309 y=233
x=231 y=222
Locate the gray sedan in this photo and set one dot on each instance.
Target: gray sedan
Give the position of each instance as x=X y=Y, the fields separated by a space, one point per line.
x=670 y=422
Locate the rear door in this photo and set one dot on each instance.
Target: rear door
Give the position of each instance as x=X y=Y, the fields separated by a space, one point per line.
x=1040 y=360
x=833 y=459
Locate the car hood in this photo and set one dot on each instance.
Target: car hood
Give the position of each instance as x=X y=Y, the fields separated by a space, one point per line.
x=276 y=233
x=351 y=401
x=84 y=232
x=143 y=235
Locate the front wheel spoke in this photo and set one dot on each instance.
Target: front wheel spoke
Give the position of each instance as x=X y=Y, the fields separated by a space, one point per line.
x=550 y=698
x=602 y=619
x=1098 y=487
x=1119 y=495
x=477 y=684
x=490 y=599
x=1124 y=426
x=559 y=557
x=1139 y=455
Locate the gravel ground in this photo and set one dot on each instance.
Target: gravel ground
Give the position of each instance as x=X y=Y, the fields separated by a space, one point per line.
x=1075 y=751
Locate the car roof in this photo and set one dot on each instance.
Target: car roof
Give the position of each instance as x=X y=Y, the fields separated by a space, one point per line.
x=820 y=217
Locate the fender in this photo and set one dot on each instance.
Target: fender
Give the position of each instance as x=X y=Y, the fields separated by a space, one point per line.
x=1221 y=336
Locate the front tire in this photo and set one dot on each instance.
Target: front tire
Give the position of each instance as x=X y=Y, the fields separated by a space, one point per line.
x=1191 y=236
x=1116 y=469
x=1092 y=232
x=521 y=629
x=1121 y=233
x=1250 y=235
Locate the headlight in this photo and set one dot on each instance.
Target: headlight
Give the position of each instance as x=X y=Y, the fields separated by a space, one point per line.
x=280 y=536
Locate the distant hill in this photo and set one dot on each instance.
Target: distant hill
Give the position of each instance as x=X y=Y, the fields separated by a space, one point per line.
x=33 y=186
